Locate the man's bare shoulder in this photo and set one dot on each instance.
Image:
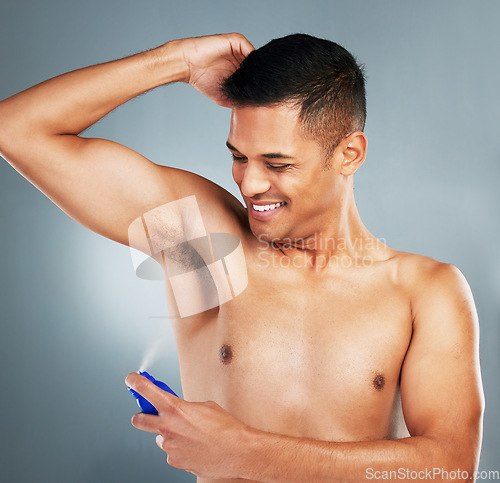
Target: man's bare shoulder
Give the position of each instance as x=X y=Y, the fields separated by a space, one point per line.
x=420 y=273
x=184 y=206
x=220 y=210
x=432 y=285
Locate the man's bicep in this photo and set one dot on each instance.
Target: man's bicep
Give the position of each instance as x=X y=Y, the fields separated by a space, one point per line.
x=104 y=185
x=440 y=381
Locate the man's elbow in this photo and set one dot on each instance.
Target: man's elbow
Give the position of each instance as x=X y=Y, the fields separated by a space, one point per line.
x=460 y=453
x=10 y=125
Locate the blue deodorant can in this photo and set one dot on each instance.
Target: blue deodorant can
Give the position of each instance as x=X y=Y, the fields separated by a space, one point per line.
x=142 y=402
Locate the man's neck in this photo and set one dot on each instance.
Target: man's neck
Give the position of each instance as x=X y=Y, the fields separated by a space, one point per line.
x=344 y=242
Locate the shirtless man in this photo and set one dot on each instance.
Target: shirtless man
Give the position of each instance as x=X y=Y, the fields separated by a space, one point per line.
x=304 y=375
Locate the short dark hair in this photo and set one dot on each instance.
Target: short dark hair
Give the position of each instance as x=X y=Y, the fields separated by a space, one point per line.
x=317 y=76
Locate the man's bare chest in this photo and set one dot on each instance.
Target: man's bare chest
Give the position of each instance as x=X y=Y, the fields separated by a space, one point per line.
x=288 y=343
x=305 y=328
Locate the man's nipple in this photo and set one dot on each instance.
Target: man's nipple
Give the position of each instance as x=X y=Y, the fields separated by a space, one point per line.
x=379 y=382
x=226 y=354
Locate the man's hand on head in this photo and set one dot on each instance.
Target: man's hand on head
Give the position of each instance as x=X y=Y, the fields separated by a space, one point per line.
x=211 y=59
x=199 y=437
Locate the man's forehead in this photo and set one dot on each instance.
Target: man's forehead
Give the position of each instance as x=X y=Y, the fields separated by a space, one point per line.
x=268 y=127
x=280 y=113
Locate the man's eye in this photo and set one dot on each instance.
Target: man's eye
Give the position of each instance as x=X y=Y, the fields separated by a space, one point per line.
x=278 y=167
x=238 y=158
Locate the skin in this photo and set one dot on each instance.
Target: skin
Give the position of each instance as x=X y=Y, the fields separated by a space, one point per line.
x=342 y=354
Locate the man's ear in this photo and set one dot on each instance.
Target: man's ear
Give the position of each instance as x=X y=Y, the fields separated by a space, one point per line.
x=353 y=152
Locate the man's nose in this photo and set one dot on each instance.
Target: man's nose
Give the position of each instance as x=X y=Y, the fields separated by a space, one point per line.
x=255 y=180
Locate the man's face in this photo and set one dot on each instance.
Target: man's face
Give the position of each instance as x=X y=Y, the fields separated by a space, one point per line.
x=289 y=193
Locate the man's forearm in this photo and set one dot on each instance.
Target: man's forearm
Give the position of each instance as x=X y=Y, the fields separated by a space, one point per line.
x=70 y=103
x=276 y=458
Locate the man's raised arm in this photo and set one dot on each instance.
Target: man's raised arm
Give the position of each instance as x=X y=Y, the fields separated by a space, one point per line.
x=102 y=184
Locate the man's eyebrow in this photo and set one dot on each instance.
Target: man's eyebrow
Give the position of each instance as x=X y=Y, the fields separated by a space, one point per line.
x=266 y=155
x=277 y=156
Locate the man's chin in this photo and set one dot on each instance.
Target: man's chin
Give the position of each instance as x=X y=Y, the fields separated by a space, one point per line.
x=271 y=232
x=260 y=233
x=266 y=236
x=281 y=236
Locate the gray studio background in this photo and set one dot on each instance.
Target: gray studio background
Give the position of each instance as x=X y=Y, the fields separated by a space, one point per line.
x=75 y=319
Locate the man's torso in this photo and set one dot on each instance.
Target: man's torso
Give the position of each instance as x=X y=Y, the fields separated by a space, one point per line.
x=303 y=352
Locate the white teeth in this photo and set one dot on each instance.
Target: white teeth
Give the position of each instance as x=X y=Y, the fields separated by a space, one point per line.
x=267 y=207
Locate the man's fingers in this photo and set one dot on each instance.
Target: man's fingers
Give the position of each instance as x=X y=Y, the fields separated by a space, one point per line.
x=240 y=46
x=245 y=46
x=159 y=398
x=145 y=422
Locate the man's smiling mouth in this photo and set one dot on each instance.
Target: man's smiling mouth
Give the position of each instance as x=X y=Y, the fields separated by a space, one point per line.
x=268 y=207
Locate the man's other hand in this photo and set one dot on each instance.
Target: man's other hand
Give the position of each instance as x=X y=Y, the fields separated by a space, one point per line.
x=211 y=59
